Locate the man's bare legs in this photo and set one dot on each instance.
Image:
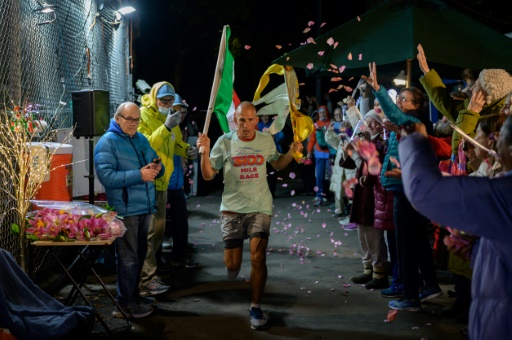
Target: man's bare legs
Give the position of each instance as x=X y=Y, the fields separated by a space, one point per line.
x=259 y=268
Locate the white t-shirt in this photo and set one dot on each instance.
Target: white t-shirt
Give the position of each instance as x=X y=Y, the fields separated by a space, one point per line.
x=245 y=172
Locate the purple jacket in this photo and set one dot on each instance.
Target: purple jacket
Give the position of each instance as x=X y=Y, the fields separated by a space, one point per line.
x=479 y=206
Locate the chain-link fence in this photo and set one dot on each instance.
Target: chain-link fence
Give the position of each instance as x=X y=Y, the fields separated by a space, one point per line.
x=46 y=55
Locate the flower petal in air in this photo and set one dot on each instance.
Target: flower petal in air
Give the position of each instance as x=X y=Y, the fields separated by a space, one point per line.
x=292 y=175
x=309 y=66
x=279 y=47
x=348 y=88
x=342 y=68
x=323 y=24
x=311 y=23
x=332 y=90
x=360 y=56
x=336 y=79
x=311 y=41
x=330 y=41
x=391 y=315
x=349 y=57
x=321 y=53
x=335 y=44
x=306 y=30
x=247 y=47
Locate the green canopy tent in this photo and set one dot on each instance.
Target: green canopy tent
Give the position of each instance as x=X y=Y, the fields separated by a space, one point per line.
x=389 y=35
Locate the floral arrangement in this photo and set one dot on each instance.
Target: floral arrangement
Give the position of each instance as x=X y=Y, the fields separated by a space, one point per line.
x=23 y=119
x=59 y=225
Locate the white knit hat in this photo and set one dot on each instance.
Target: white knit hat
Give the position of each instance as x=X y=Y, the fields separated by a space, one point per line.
x=374 y=115
x=495 y=83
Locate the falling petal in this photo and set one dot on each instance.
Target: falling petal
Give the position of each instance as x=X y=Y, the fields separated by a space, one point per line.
x=284 y=185
x=358 y=18
x=349 y=57
x=302 y=84
x=330 y=41
x=195 y=108
x=287 y=58
x=292 y=175
x=339 y=88
x=348 y=88
x=309 y=66
x=335 y=44
x=361 y=56
x=336 y=79
x=391 y=315
x=333 y=66
x=292 y=193
x=306 y=30
x=311 y=41
x=311 y=23
x=315 y=189
x=342 y=68
x=323 y=24
x=332 y=90
x=321 y=53
x=279 y=47
x=247 y=47
x=324 y=225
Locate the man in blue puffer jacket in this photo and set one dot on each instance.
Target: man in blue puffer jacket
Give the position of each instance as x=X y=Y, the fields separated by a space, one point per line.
x=127 y=166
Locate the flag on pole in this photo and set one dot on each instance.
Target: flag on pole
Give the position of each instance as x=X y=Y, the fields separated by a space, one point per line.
x=223 y=99
x=283 y=101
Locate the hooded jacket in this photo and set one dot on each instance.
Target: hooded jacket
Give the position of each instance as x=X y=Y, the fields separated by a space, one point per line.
x=166 y=143
x=118 y=159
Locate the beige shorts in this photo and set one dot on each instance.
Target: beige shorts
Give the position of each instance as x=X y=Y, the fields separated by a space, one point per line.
x=237 y=227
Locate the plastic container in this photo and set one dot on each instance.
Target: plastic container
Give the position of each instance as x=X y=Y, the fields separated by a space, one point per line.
x=59 y=185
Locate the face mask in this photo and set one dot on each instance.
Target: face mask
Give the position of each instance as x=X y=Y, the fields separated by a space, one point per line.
x=164 y=110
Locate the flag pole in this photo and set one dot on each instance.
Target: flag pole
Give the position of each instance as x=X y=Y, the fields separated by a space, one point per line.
x=216 y=82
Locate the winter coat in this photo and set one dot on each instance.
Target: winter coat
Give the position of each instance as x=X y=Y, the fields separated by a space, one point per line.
x=395 y=116
x=118 y=159
x=383 y=213
x=363 y=204
x=166 y=143
x=476 y=205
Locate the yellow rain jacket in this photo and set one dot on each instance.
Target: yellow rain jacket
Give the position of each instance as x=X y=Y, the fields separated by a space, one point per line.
x=166 y=143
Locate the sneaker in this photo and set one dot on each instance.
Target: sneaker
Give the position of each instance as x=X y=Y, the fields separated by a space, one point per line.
x=410 y=305
x=258 y=320
x=377 y=283
x=332 y=208
x=350 y=226
x=155 y=287
x=319 y=201
x=429 y=293
x=232 y=274
x=393 y=291
x=345 y=221
x=183 y=264
x=134 y=311
x=361 y=279
x=146 y=300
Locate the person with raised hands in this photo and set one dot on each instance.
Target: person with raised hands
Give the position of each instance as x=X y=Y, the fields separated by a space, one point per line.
x=413 y=246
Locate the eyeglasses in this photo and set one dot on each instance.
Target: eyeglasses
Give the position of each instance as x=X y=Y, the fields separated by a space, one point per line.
x=131 y=120
x=403 y=99
x=166 y=101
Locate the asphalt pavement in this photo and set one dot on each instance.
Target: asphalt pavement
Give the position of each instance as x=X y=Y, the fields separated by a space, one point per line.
x=308 y=295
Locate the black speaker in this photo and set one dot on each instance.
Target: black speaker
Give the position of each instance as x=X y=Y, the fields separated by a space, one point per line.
x=91 y=114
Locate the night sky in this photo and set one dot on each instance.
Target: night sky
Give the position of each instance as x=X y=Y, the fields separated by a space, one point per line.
x=178 y=40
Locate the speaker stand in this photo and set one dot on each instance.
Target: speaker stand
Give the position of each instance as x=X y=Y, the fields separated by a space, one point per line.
x=91 y=170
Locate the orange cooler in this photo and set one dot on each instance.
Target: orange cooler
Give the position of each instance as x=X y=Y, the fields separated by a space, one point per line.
x=59 y=187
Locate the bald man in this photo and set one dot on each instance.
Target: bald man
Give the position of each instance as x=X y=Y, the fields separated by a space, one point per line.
x=246 y=206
